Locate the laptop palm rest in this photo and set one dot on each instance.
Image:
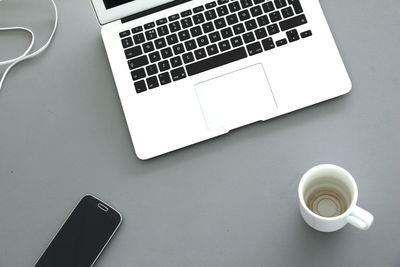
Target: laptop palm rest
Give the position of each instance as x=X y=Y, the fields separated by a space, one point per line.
x=236 y=99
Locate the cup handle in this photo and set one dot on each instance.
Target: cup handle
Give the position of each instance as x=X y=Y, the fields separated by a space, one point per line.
x=360 y=218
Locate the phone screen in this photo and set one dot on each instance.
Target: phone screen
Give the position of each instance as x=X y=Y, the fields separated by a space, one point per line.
x=83 y=236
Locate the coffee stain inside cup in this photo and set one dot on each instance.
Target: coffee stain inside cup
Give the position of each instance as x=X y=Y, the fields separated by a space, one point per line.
x=327 y=202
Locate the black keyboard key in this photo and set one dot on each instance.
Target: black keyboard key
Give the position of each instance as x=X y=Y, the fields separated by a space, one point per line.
x=238 y=28
x=236 y=41
x=202 y=41
x=190 y=45
x=210 y=14
x=164 y=65
x=174 y=26
x=148 y=47
x=138 y=74
x=292 y=35
x=281 y=42
x=166 y=53
x=214 y=37
x=261 y=33
x=124 y=34
x=232 y=19
x=296 y=6
x=224 y=45
x=198 y=18
x=163 y=30
x=176 y=62
x=212 y=49
x=152 y=69
x=273 y=29
x=178 y=74
x=139 y=38
x=164 y=78
x=222 y=11
x=188 y=57
x=173 y=17
x=211 y=5
x=149 y=25
x=198 y=9
x=263 y=20
x=234 y=6
x=244 y=15
x=186 y=23
x=178 y=49
x=154 y=57
x=275 y=16
x=138 y=62
x=287 y=12
x=293 y=22
x=133 y=52
x=152 y=82
x=268 y=7
x=256 y=11
x=161 y=21
x=280 y=3
x=140 y=86
x=137 y=29
x=246 y=3
x=220 y=23
x=256 y=2
x=208 y=27
x=248 y=37
x=268 y=44
x=172 y=39
x=186 y=13
x=200 y=53
x=184 y=35
x=226 y=33
x=160 y=43
x=221 y=2
x=216 y=61
x=127 y=42
x=306 y=34
x=254 y=48
x=250 y=24
x=151 y=34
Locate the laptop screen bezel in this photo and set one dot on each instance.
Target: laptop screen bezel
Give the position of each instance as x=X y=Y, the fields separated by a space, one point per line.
x=135 y=6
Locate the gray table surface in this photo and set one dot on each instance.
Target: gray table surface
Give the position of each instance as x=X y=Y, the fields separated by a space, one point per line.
x=230 y=201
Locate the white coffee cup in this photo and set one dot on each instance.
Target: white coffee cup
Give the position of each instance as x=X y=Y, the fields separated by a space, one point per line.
x=328 y=195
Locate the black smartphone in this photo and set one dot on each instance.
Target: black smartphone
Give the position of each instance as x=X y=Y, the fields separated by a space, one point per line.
x=83 y=236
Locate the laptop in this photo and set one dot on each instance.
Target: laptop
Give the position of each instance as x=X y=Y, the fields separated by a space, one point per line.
x=190 y=70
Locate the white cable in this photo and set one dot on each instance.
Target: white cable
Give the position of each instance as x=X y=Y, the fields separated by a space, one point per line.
x=26 y=54
x=26 y=51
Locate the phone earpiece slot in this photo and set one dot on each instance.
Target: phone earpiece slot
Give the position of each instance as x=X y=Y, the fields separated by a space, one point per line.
x=102 y=207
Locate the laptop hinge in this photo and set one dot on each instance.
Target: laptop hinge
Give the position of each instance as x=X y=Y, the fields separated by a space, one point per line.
x=153 y=10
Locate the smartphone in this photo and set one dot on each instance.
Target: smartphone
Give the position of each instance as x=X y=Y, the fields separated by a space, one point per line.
x=83 y=236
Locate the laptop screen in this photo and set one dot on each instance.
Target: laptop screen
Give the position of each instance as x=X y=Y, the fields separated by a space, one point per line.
x=111 y=10
x=113 y=3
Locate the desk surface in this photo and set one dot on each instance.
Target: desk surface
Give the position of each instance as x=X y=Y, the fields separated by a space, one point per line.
x=231 y=201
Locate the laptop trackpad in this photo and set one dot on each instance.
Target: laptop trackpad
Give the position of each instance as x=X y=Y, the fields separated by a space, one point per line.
x=236 y=99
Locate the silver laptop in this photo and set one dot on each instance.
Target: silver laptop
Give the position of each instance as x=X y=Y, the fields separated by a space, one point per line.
x=190 y=70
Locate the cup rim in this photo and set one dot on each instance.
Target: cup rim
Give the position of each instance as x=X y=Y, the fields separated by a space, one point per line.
x=318 y=168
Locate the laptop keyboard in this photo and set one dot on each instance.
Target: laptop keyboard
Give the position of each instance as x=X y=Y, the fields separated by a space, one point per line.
x=208 y=36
